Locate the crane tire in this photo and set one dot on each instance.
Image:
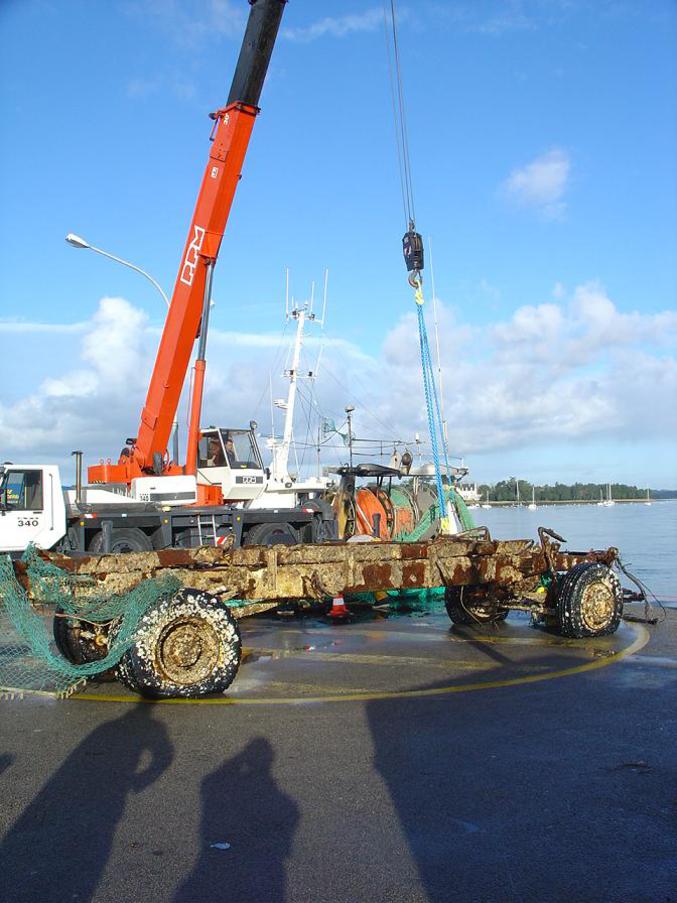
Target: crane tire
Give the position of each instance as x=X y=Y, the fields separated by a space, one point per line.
x=271 y=535
x=589 y=601
x=185 y=646
x=125 y=539
x=465 y=612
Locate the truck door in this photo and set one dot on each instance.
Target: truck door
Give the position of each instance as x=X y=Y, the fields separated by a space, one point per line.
x=27 y=509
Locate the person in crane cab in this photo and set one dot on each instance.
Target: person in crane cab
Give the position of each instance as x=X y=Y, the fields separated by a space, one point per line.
x=215 y=456
x=230 y=450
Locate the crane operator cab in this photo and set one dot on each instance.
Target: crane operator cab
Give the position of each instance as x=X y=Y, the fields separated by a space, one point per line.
x=232 y=459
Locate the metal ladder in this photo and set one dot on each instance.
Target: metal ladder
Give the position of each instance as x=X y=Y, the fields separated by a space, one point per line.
x=205 y=524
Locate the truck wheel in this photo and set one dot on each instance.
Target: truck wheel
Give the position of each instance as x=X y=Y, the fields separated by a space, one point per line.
x=589 y=601
x=463 y=609
x=187 y=646
x=271 y=535
x=127 y=539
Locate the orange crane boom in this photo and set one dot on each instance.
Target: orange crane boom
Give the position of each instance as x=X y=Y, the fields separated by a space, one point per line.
x=188 y=314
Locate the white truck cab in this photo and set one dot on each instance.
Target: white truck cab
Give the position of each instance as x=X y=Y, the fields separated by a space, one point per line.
x=32 y=506
x=231 y=458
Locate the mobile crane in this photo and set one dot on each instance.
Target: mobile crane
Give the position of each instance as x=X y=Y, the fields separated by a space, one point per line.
x=148 y=500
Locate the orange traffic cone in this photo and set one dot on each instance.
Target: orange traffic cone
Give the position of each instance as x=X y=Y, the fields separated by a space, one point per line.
x=339 y=610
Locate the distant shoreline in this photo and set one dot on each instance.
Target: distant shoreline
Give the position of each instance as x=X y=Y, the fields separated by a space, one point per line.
x=543 y=502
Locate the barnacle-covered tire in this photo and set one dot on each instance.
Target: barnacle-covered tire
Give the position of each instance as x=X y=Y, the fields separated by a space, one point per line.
x=463 y=610
x=589 y=601
x=186 y=646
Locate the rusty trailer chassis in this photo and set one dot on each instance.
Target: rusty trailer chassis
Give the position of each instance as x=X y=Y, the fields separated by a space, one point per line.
x=497 y=573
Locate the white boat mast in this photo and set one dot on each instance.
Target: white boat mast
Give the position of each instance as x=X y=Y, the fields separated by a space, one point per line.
x=279 y=469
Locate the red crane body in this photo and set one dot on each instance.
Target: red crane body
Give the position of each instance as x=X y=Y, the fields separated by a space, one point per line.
x=189 y=308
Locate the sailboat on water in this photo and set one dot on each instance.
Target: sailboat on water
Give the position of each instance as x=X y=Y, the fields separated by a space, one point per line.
x=532 y=506
x=608 y=501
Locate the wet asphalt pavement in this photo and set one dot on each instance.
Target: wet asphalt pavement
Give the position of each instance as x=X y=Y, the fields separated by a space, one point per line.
x=549 y=789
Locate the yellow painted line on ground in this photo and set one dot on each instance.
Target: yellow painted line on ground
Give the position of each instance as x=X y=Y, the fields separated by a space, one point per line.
x=641 y=639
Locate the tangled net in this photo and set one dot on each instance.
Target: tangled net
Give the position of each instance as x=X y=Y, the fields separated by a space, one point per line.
x=29 y=658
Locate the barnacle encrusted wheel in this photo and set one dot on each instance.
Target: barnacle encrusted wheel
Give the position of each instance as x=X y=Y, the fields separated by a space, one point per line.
x=589 y=601
x=188 y=645
x=464 y=607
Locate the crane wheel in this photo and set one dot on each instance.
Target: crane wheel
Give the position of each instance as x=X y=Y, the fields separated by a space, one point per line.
x=589 y=601
x=186 y=646
x=465 y=610
x=127 y=539
x=271 y=535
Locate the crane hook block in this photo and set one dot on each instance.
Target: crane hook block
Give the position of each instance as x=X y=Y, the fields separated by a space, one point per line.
x=412 y=248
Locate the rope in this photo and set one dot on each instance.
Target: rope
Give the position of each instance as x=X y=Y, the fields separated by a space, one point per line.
x=431 y=403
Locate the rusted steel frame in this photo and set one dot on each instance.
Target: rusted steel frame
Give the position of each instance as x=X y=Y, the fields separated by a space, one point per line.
x=268 y=575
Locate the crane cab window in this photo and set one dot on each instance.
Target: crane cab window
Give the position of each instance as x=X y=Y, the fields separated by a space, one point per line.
x=229 y=448
x=210 y=451
x=21 y=490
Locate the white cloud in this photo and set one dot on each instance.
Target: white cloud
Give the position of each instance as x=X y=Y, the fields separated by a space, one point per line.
x=541 y=184
x=337 y=26
x=19 y=326
x=563 y=372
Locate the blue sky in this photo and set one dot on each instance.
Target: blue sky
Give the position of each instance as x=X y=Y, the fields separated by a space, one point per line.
x=544 y=149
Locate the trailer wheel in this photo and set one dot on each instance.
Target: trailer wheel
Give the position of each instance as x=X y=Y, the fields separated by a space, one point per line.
x=463 y=609
x=187 y=646
x=126 y=539
x=589 y=601
x=79 y=642
x=271 y=535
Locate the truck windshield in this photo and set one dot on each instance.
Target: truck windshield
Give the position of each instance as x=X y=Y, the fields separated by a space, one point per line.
x=21 y=490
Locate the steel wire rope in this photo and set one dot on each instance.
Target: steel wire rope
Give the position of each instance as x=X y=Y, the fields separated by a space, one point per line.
x=399 y=115
x=391 y=80
x=307 y=406
x=280 y=348
x=354 y=398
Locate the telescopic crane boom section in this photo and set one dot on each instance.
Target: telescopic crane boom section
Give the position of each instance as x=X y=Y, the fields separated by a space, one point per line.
x=189 y=307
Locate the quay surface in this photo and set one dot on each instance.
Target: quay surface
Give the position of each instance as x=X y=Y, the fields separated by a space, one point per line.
x=396 y=759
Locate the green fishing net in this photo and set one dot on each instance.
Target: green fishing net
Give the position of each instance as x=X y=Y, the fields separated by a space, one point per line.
x=29 y=658
x=432 y=515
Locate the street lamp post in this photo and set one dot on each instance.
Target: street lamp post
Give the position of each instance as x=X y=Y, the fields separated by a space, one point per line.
x=78 y=242
x=349 y=411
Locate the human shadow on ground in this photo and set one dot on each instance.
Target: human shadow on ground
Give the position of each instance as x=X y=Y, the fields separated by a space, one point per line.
x=58 y=847
x=246 y=835
x=5 y=761
x=487 y=785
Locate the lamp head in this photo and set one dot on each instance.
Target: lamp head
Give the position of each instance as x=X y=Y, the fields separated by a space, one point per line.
x=76 y=241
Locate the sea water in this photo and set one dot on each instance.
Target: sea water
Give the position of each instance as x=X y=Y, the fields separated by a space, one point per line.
x=646 y=535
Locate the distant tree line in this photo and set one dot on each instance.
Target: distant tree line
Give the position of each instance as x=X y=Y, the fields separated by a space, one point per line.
x=506 y=491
